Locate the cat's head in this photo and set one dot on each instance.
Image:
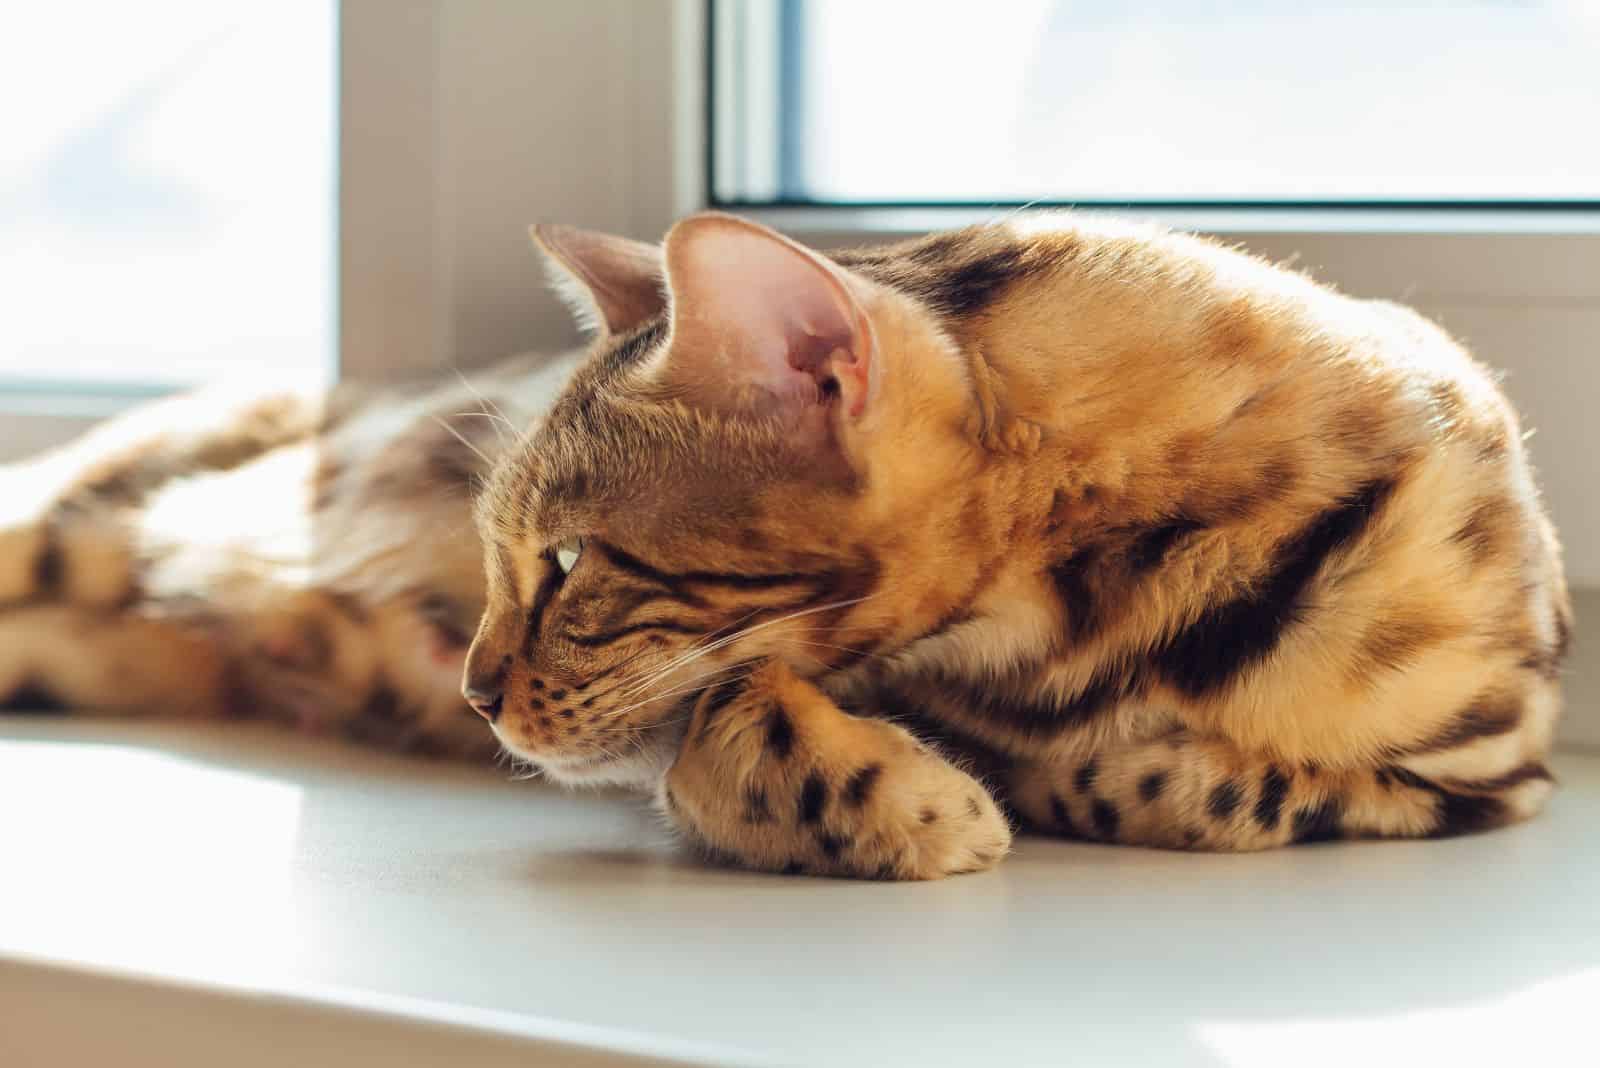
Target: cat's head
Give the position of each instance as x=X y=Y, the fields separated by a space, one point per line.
x=721 y=481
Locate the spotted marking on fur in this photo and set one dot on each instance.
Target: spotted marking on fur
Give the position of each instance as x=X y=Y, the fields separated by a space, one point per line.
x=1062 y=817
x=49 y=567
x=1224 y=799
x=1083 y=780
x=833 y=845
x=1151 y=785
x=32 y=697
x=1269 y=804
x=780 y=733
x=1318 y=823
x=813 y=798
x=860 y=785
x=1105 y=817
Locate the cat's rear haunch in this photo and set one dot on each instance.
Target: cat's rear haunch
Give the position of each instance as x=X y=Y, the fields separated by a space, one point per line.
x=1114 y=532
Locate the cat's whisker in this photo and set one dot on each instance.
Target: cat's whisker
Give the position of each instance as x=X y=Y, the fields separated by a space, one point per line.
x=483 y=400
x=746 y=632
x=695 y=647
x=458 y=436
x=684 y=686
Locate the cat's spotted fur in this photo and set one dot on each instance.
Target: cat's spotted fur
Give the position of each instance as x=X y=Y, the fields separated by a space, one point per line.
x=1157 y=543
x=261 y=553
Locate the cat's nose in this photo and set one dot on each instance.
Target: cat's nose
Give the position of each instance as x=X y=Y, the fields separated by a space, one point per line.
x=485 y=703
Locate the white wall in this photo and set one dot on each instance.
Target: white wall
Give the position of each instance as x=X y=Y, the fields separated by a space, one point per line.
x=466 y=120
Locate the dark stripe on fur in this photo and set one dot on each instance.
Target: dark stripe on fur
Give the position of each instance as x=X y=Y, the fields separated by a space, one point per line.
x=1488 y=716
x=1515 y=777
x=674 y=580
x=1149 y=550
x=1071 y=578
x=1459 y=813
x=594 y=641
x=541 y=602
x=957 y=273
x=1226 y=640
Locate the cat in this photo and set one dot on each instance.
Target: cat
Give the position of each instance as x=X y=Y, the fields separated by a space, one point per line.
x=854 y=558
x=267 y=553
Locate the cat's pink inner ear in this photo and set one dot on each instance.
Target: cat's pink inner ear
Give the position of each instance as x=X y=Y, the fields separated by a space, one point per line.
x=759 y=320
x=613 y=284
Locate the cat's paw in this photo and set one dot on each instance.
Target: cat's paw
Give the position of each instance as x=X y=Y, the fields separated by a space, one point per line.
x=933 y=820
x=777 y=777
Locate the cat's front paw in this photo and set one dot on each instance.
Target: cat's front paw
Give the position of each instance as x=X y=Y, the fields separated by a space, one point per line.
x=938 y=822
x=776 y=776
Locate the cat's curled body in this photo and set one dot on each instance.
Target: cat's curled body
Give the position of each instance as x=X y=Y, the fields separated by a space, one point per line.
x=1155 y=542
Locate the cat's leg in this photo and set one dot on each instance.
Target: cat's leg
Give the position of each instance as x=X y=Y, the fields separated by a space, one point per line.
x=1191 y=792
x=776 y=776
x=55 y=656
x=64 y=526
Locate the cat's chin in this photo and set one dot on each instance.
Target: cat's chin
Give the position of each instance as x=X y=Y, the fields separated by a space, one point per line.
x=639 y=771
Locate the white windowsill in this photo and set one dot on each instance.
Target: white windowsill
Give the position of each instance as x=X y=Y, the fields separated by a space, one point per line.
x=198 y=895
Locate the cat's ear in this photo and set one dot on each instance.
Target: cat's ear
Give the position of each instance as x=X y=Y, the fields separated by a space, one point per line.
x=613 y=285
x=762 y=323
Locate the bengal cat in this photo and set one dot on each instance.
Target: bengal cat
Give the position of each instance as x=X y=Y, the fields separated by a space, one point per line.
x=858 y=560
x=1121 y=532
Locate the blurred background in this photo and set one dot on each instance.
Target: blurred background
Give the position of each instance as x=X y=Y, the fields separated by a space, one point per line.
x=193 y=190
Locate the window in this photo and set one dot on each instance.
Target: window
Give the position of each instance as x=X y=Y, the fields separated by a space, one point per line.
x=167 y=194
x=1250 y=102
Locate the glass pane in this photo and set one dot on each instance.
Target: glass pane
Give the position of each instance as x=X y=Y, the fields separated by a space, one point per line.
x=167 y=190
x=1256 y=100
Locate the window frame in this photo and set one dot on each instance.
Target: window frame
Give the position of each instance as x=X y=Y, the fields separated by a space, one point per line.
x=772 y=26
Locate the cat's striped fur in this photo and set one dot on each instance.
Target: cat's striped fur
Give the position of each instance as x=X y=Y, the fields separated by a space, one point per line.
x=1160 y=544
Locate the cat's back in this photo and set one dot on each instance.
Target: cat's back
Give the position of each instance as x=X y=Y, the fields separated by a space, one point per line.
x=1273 y=495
